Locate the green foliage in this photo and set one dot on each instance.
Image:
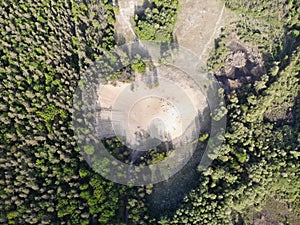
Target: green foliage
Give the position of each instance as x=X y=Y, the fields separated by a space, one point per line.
x=94 y=26
x=88 y=149
x=49 y=113
x=241 y=156
x=138 y=66
x=44 y=48
x=157 y=21
x=12 y=215
x=285 y=12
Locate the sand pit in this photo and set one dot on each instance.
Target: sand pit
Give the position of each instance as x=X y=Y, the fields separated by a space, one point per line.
x=144 y=115
x=168 y=105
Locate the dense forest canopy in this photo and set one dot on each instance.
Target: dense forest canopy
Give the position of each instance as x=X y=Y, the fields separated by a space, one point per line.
x=45 y=48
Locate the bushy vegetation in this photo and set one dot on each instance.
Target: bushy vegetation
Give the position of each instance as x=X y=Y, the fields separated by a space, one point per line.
x=286 y=12
x=259 y=159
x=155 y=20
x=46 y=46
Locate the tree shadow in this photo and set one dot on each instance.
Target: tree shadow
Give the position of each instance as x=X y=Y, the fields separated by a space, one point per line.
x=169 y=194
x=140 y=10
x=119 y=39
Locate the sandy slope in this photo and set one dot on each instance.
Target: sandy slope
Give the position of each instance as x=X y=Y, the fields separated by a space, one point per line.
x=198 y=24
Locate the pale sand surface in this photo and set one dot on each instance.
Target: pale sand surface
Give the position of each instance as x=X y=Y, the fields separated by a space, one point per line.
x=140 y=112
x=164 y=111
x=198 y=23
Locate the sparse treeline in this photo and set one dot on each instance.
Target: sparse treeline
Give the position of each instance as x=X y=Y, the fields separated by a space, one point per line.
x=286 y=12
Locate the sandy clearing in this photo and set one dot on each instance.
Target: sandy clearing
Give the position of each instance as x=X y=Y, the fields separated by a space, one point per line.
x=142 y=113
x=198 y=24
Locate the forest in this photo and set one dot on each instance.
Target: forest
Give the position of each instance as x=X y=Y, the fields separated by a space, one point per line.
x=45 y=48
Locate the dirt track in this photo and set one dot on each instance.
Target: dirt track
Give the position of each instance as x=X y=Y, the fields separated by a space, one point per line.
x=198 y=24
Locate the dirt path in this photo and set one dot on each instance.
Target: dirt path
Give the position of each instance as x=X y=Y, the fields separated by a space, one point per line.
x=214 y=35
x=123 y=27
x=198 y=24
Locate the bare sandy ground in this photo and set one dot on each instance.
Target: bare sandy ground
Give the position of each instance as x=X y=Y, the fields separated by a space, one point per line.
x=163 y=112
x=123 y=27
x=198 y=24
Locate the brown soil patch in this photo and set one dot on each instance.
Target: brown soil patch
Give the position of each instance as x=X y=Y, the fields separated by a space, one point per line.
x=243 y=64
x=275 y=213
